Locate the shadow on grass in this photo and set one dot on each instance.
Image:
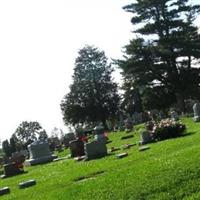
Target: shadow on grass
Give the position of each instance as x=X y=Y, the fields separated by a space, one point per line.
x=188 y=134
x=89 y=176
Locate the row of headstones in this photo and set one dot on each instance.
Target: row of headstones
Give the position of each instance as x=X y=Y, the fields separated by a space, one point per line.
x=39 y=152
x=90 y=150
x=138 y=117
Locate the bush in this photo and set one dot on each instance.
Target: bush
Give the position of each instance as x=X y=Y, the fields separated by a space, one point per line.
x=166 y=129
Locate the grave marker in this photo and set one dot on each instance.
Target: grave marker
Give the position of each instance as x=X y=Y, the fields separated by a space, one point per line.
x=39 y=153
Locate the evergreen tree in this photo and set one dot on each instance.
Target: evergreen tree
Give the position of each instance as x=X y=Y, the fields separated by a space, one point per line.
x=6 y=148
x=166 y=50
x=131 y=99
x=93 y=95
x=13 y=146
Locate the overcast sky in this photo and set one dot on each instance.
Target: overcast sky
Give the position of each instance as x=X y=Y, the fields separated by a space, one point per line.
x=39 y=41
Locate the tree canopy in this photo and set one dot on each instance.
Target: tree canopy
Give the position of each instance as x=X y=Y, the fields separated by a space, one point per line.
x=28 y=132
x=93 y=94
x=166 y=50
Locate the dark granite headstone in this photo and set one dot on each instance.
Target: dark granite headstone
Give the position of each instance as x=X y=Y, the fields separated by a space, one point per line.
x=4 y=190
x=11 y=170
x=76 y=148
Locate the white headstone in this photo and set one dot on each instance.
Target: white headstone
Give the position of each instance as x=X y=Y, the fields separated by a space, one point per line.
x=39 y=153
x=174 y=115
x=196 y=109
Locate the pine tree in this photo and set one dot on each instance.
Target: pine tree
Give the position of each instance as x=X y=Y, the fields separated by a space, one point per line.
x=166 y=50
x=93 y=94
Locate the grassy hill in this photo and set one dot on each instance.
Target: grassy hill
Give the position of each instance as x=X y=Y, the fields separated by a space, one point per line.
x=168 y=170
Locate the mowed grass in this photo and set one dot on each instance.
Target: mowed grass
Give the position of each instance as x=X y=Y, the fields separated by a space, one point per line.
x=168 y=170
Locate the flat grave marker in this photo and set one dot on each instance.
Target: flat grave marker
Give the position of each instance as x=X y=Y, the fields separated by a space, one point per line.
x=26 y=184
x=4 y=190
x=126 y=137
x=121 y=155
x=144 y=148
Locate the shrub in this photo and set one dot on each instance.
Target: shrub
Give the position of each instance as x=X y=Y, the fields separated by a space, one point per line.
x=166 y=129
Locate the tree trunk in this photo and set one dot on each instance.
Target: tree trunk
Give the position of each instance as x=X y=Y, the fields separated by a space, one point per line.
x=104 y=124
x=180 y=102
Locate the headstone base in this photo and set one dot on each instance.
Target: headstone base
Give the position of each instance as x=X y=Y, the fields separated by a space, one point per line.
x=196 y=119
x=41 y=160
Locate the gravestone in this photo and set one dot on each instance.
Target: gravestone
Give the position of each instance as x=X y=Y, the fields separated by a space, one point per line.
x=128 y=146
x=76 y=148
x=121 y=126
x=144 y=148
x=4 y=190
x=137 y=118
x=174 y=115
x=99 y=134
x=26 y=184
x=127 y=137
x=122 y=155
x=18 y=158
x=196 y=110
x=39 y=153
x=11 y=169
x=145 y=137
x=114 y=149
x=128 y=125
x=95 y=149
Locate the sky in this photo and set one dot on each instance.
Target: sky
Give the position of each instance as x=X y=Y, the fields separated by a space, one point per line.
x=39 y=41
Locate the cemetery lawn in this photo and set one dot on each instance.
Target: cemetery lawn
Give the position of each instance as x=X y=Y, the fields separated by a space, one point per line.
x=168 y=170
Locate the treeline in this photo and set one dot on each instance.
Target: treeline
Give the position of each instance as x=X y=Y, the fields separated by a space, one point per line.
x=160 y=68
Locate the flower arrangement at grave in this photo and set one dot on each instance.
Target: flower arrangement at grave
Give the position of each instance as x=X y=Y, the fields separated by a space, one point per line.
x=165 y=129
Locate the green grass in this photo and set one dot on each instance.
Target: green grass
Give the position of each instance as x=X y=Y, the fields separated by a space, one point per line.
x=168 y=170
